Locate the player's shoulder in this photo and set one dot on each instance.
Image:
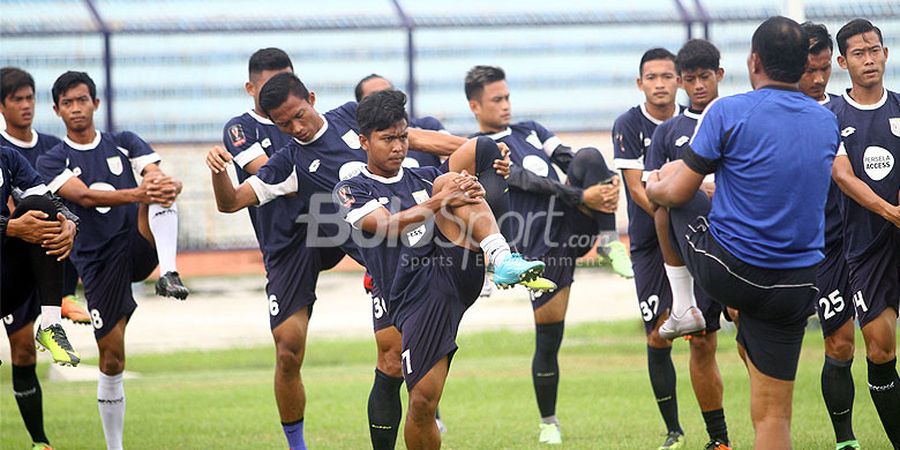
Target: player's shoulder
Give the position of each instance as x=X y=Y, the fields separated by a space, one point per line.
x=426 y=123
x=427 y=173
x=244 y=120
x=345 y=111
x=630 y=117
x=48 y=141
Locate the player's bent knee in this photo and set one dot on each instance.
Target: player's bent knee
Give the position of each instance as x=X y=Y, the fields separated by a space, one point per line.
x=880 y=354
x=422 y=405
x=840 y=347
x=112 y=362
x=36 y=203
x=703 y=345
x=389 y=362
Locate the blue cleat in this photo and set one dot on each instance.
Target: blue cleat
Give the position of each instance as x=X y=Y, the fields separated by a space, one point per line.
x=515 y=270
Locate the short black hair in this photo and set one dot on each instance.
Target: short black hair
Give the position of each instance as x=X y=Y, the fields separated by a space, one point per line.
x=276 y=91
x=380 y=111
x=359 y=86
x=70 y=80
x=819 y=39
x=783 y=48
x=12 y=79
x=852 y=28
x=269 y=59
x=697 y=54
x=655 y=54
x=480 y=76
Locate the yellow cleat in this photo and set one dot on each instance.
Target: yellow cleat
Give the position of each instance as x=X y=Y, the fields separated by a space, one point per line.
x=53 y=339
x=540 y=284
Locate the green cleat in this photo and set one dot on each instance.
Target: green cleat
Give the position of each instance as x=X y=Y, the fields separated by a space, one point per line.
x=540 y=284
x=41 y=446
x=619 y=259
x=674 y=440
x=54 y=340
x=848 y=445
x=550 y=434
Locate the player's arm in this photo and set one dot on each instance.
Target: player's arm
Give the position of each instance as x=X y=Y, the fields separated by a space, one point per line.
x=673 y=185
x=75 y=191
x=228 y=198
x=434 y=142
x=633 y=179
x=860 y=192
x=462 y=189
x=603 y=197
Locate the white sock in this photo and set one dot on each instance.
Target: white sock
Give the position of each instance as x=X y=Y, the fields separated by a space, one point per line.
x=682 y=284
x=495 y=248
x=50 y=315
x=111 y=401
x=164 y=226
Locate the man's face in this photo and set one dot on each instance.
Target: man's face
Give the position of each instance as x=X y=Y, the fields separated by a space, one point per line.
x=18 y=108
x=701 y=85
x=374 y=85
x=255 y=85
x=865 y=59
x=297 y=117
x=493 y=110
x=815 y=78
x=659 y=82
x=387 y=148
x=76 y=108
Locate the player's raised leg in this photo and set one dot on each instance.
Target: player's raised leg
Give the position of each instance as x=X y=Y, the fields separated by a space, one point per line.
x=25 y=384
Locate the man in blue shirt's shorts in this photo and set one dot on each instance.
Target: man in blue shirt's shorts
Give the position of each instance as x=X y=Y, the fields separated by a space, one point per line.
x=755 y=248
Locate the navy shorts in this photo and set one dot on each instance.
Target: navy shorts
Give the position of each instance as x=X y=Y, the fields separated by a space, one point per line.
x=428 y=325
x=834 y=305
x=381 y=317
x=23 y=315
x=578 y=236
x=292 y=276
x=107 y=283
x=774 y=304
x=875 y=279
x=655 y=294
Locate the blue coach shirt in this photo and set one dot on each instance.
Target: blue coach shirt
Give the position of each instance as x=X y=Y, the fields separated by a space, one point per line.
x=771 y=150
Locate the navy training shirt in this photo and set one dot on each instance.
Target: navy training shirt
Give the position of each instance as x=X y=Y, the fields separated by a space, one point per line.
x=315 y=167
x=16 y=173
x=394 y=262
x=870 y=138
x=632 y=135
x=107 y=164
x=530 y=146
x=670 y=139
x=40 y=144
x=834 y=231
x=771 y=180
x=248 y=137
x=416 y=158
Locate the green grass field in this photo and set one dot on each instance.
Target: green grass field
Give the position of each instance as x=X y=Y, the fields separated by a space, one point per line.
x=224 y=400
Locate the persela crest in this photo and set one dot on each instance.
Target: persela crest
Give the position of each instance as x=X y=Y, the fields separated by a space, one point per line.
x=895 y=125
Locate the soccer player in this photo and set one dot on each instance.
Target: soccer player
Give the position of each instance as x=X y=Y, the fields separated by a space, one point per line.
x=699 y=74
x=34 y=241
x=324 y=149
x=411 y=215
x=632 y=136
x=866 y=171
x=835 y=311
x=251 y=139
x=17 y=108
x=557 y=222
x=375 y=83
x=121 y=222
x=762 y=260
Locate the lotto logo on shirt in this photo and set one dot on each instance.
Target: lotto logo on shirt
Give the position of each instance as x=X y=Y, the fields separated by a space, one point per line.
x=877 y=162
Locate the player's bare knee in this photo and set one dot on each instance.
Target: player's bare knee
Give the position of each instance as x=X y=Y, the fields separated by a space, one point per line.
x=389 y=362
x=703 y=347
x=880 y=353
x=23 y=355
x=112 y=362
x=288 y=358
x=422 y=405
x=840 y=347
x=440 y=182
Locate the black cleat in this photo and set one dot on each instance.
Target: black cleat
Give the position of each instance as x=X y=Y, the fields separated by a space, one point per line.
x=170 y=285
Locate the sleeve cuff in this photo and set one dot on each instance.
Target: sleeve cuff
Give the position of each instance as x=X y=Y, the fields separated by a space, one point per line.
x=356 y=215
x=698 y=163
x=265 y=193
x=841 y=151
x=141 y=162
x=251 y=153
x=40 y=189
x=551 y=144
x=60 y=180
x=636 y=164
